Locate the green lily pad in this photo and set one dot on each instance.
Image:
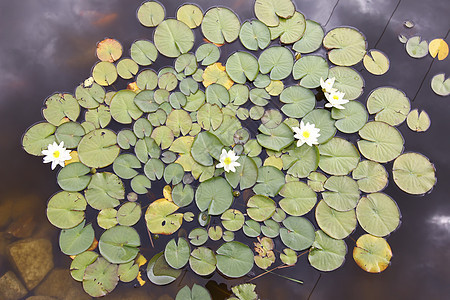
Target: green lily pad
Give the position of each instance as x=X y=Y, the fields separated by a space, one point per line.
x=254 y=34
x=311 y=39
x=417 y=48
x=298 y=101
x=270 y=229
x=104 y=191
x=207 y=54
x=418 y=122
x=348 y=81
x=327 y=254
x=277 y=61
x=342 y=193
x=347 y=46
x=140 y=184
x=269 y=181
x=259 y=96
x=186 y=63
x=321 y=118
x=203 y=261
x=352 y=118
x=289 y=30
x=275 y=139
x=372 y=254
x=100 y=278
x=104 y=73
x=288 y=257
x=337 y=224
x=309 y=69
x=38 y=137
x=260 y=208
x=270 y=11
x=151 y=13
x=214 y=195
x=80 y=262
x=371 y=176
x=99 y=116
x=380 y=142
x=127 y=68
x=90 y=97
x=154 y=169
x=73 y=177
x=119 y=244
x=124 y=166
x=160 y=272
x=128 y=272
x=145 y=53
x=76 y=240
x=376 y=62
x=106 y=218
x=173 y=38
x=245 y=175
x=414 y=173
x=298 y=234
x=66 y=210
x=338 y=157
x=98 y=148
x=215 y=233
x=182 y=196
x=60 y=108
x=177 y=254
x=390 y=105
x=234 y=259
x=241 y=66
x=205 y=147
x=161 y=217
x=209 y=116
x=316 y=181
x=197 y=293
x=123 y=108
x=179 y=121
x=198 y=236
x=232 y=219
x=217 y=94
x=378 y=214
x=440 y=85
x=220 y=25
x=173 y=173
x=129 y=213
x=298 y=198
x=251 y=228
x=190 y=14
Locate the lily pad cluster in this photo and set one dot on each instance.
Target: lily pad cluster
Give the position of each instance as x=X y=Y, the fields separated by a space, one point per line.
x=175 y=121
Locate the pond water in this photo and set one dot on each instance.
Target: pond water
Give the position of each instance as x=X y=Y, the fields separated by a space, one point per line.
x=49 y=46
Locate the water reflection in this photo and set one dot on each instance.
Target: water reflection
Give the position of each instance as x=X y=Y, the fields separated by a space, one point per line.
x=49 y=45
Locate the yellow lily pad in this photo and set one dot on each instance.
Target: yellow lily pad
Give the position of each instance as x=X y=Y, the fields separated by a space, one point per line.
x=439 y=48
x=161 y=219
x=372 y=254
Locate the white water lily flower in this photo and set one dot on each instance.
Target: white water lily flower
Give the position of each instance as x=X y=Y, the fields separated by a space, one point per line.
x=56 y=154
x=228 y=161
x=336 y=99
x=327 y=85
x=306 y=134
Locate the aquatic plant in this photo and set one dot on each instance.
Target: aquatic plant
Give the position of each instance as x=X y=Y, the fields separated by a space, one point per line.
x=180 y=125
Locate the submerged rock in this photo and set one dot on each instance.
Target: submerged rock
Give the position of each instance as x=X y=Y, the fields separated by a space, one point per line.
x=11 y=288
x=33 y=258
x=60 y=285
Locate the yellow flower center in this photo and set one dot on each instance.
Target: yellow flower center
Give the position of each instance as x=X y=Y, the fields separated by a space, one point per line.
x=306 y=134
x=56 y=154
x=227 y=161
x=336 y=97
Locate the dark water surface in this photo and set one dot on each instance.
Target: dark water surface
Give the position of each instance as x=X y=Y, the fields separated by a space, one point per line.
x=49 y=45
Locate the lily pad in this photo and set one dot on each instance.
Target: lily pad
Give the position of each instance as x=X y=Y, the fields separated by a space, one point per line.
x=416 y=47
x=38 y=137
x=127 y=68
x=270 y=11
x=198 y=236
x=73 y=177
x=275 y=139
x=245 y=175
x=100 y=117
x=376 y=62
x=338 y=157
x=124 y=166
x=203 y=261
x=289 y=30
x=298 y=198
x=298 y=234
x=372 y=254
x=298 y=101
x=173 y=38
x=104 y=191
x=378 y=214
x=177 y=254
x=440 y=85
x=254 y=34
x=209 y=116
x=205 y=147
x=311 y=39
x=439 y=48
x=241 y=66
x=76 y=240
x=352 y=118
x=60 y=108
x=327 y=254
x=269 y=181
x=129 y=213
x=119 y=244
x=418 y=122
x=348 y=81
x=150 y=13
x=197 y=293
x=234 y=259
x=109 y=50
x=310 y=69
x=104 y=73
x=232 y=219
x=182 y=196
x=123 y=108
x=260 y=208
x=347 y=46
x=337 y=224
x=144 y=53
x=276 y=61
x=100 y=278
x=80 y=262
x=300 y=161
x=160 y=272
x=106 y=218
x=90 y=97
x=371 y=176
x=321 y=118
x=381 y=142
x=390 y=105
x=207 y=54
x=161 y=217
x=98 y=148
x=190 y=14
x=179 y=121
x=154 y=169
x=414 y=173
x=220 y=25
x=66 y=210
x=214 y=195
x=342 y=193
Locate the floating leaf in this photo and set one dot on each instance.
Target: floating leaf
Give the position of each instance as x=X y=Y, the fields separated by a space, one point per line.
x=241 y=66
x=150 y=13
x=104 y=73
x=440 y=85
x=347 y=81
x=90 y=97
x=260 y=207
x=270 y=228
x=73 y=178
x=109 y=50
x=161 y=217
x=245 y=175
x=298 y=198
x=144 y=53
x=217 y=94
x=275 y=139
x=159 y=271
x=347 y=46
x=205 y=147
x=311 y=39
x=215 y=233
x=234 y=259
x=289 y=30
x=80 y=262
x=173 y=38
x=270 y=11
x=298 y=101
x=321 y=118
x=232 y=220
x=251 y=228
x=127 y=68
x=207 y=54
x=310 y=69
x=38 y=137
x=198 y=293
x=371 y=176
x=338 y=157
x=390 y=105
x=106 y=218
x=439 y=48
x=154 y=169
x=220 y=25
x=177 y=254
x=300 y=161
x=66 y=210
x=337 y=224
x=214 y=195
x=378 y=214
x=316 y=181
x=418 y=122
x=129 y=213
x=298 y=234
x=245 y=291
x=277 y=61
x=60 y=108
x=380 y=142
x=76 y=240
x=100 y=117
x=179 y=121
x=123 y=108
x=269 y=181
x=128 y=272
x=254 y=34
x=413 y=173
x=376 y=62
x=98 y=148
x=100 y=278
x=182 y=196
x=173 y=173
x=408 y=24
x=190 y=14
x=209 y=116
x=416 y=48
x=372 y=254
x=342 y=193
x=352 y=118
x=402 y=38
x=104 y=191
x=119 y=244
x=198 y=236
x=327 y=254
x=203 y=261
